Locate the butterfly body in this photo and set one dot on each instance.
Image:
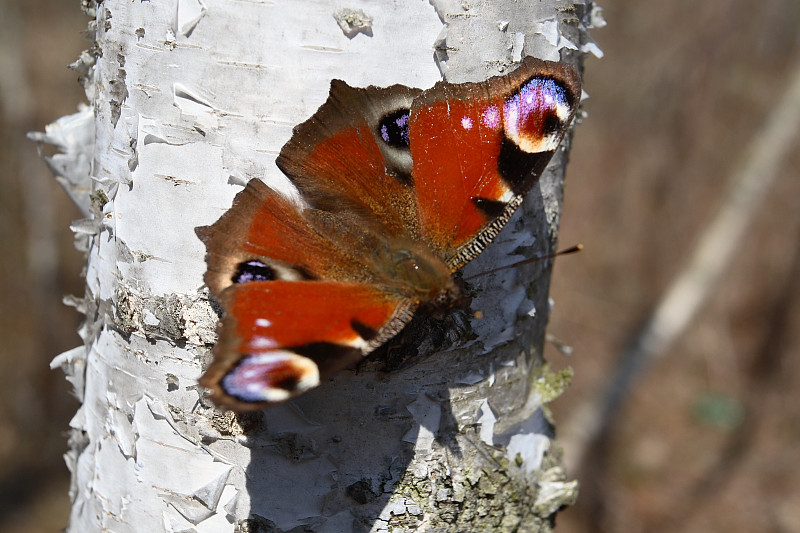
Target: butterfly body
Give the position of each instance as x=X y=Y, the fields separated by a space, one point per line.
x=400 y=187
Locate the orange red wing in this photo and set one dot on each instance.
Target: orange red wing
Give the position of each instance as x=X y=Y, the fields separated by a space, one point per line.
x=479 y=147
x=280 y=338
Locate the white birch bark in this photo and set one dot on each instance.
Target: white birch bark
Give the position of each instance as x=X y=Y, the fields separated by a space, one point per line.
x=189 y=99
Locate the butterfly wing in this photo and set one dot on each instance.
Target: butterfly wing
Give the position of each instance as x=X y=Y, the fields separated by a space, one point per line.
x=298 y=307
x=352 y=156
x=448 y=165
x=280 y=338
x=479 y=147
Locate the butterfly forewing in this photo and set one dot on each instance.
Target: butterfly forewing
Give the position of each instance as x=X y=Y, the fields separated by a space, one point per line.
x=479 y=147
x=352 y=155
x=280 y=338
x=265 y=237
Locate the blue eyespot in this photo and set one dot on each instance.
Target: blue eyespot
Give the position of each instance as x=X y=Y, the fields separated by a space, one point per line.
x=393 y=128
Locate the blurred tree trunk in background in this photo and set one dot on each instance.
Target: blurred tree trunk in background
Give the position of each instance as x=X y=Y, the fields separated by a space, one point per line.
x=190 y=100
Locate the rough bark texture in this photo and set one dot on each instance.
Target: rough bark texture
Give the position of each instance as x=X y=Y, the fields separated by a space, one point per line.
x=189 y=99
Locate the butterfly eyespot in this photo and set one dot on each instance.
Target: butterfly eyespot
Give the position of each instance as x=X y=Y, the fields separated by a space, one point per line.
x=393 y=128
x=253 y=270
x=272 y=376
x=534 y=116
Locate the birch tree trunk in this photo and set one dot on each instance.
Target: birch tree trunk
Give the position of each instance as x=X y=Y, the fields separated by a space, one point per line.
x=191 y=98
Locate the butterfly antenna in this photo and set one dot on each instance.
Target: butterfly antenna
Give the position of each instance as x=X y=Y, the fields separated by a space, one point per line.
x=570 y=250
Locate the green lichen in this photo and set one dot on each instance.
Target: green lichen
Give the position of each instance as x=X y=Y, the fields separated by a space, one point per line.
x=550 y=385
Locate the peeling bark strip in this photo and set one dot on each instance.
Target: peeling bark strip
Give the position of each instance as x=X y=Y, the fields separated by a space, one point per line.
x=181 y=116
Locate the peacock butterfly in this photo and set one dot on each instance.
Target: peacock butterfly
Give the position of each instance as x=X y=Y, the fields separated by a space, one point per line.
x=401 y=187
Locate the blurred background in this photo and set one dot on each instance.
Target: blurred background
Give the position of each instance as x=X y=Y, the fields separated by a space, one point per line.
x=38 y=263
x=707 y=440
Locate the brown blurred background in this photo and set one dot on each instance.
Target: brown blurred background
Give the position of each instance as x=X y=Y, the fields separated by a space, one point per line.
x=38 y=263
x=707 y=440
